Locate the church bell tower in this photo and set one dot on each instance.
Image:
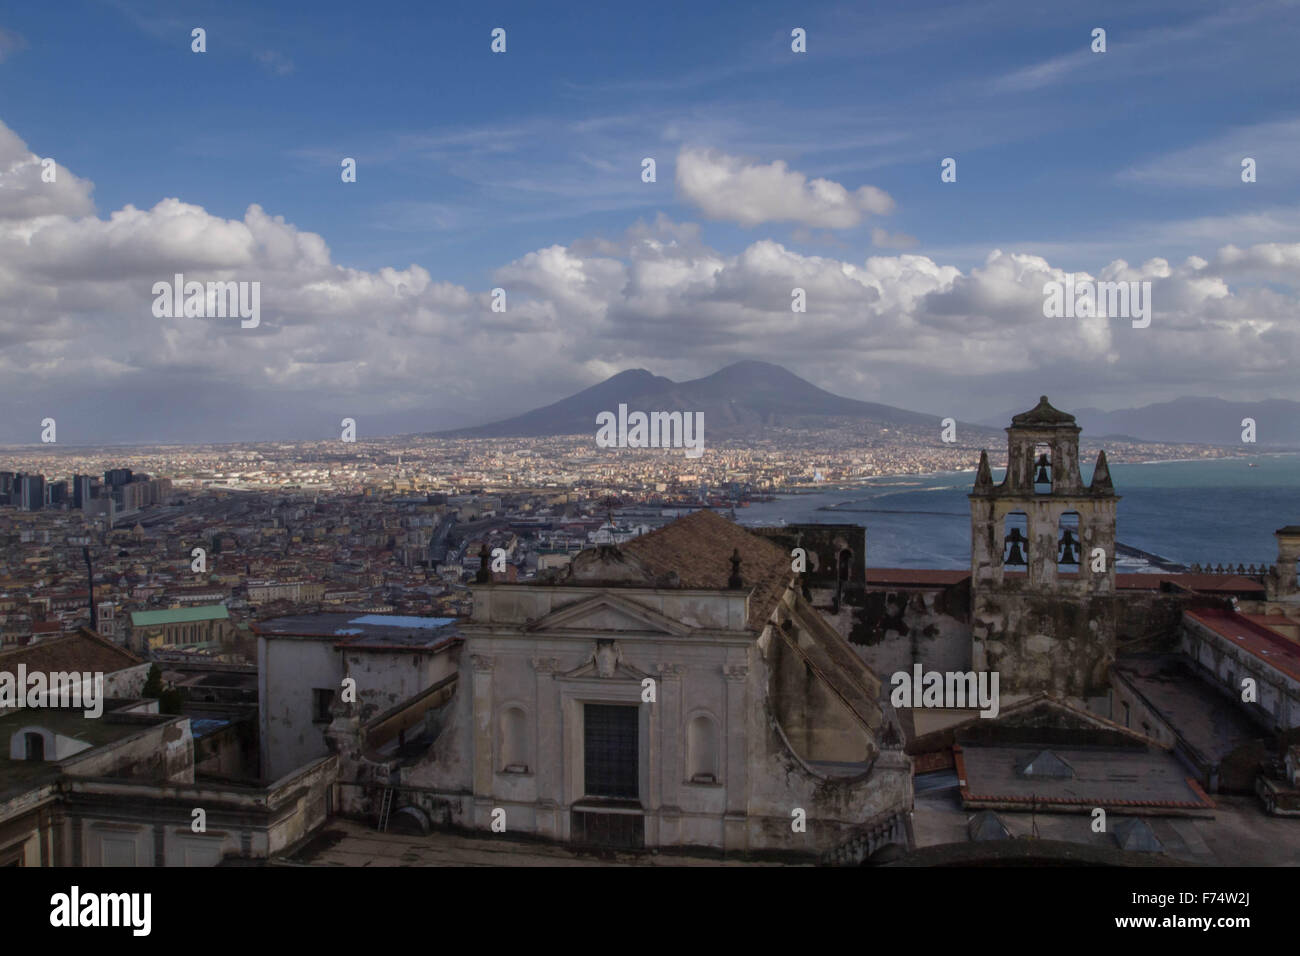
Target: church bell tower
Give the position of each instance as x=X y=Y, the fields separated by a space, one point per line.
x=1043 y=562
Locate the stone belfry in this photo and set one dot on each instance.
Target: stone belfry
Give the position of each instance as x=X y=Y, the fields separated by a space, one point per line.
x=1043 y=562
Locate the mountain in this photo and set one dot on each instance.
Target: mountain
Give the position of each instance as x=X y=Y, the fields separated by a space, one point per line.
x=740 y=397
x=1211 y=421
x=1189 y=420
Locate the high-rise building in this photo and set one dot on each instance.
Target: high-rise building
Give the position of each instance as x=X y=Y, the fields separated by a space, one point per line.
x=56 y=494
x=31 y=492
x=80 y=490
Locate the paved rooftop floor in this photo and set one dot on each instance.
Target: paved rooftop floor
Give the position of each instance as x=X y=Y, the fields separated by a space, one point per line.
x=1240 y=834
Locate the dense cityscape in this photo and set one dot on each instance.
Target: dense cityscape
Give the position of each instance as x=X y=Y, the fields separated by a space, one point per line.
x=390 y=525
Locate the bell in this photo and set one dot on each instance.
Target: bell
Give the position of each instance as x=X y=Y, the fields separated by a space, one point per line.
x=1069 y=548
x=1042 y=478
x=1014 y=540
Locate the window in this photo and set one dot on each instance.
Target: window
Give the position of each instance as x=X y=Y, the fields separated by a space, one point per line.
x=1042 y=468
x=322 y=700
x=514 y=742
x=1015 y=540
x=611 y=751
x=702 y=750
x=1068 y=543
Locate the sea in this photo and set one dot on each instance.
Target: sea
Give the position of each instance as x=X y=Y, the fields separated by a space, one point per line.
x=1206 y=511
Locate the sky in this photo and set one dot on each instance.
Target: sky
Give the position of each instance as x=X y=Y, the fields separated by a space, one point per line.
x=524 y=171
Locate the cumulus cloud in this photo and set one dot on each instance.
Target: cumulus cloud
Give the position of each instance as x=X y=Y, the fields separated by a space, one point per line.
x=400 y=348
x=733 y=189
x=24 y=192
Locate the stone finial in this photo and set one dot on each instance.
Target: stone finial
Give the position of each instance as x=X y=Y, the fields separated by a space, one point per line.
x=984 y=476
x=1101 y=483
x=735 y=581
x=484 y=575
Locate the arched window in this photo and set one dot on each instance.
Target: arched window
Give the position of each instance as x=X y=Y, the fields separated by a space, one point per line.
x=1042 y=468
x=514 y=740
x=1068 y=544
x=702 y=750
x=1015 y=540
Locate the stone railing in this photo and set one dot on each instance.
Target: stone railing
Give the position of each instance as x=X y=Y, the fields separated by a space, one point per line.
x=1249 y=571
x=881 y=830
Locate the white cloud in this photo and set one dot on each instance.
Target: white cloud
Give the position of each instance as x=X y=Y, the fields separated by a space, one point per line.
x=730 y=188
x=1216 y=163
x=75 y=318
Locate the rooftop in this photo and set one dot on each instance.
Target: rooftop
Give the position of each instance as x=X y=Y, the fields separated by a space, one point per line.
x=698 y=547
x=67 y=722
x=1203 y=717
x=82 y=650
x=389 y=631
x=1210 y=583
x=1103 y=777
x=1042 y=414
x=180 y=615
x=917 y=577
x=1266 y=645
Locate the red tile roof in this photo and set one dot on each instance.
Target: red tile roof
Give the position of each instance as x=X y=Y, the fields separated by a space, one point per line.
x=699 y=546
x=1271 y=648
x=922 y=577
x=83 y=650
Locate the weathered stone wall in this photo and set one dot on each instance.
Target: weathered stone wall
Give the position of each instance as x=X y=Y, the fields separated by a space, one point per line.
x=160 y=752
x=1044 y=641
x=892 y=629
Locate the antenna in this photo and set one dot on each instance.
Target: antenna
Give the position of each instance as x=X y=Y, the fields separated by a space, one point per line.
x=90 y=575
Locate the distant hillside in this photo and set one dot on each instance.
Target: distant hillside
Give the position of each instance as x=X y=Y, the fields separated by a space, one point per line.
x=1211 y=421
x=740 y=397
x=1202 y=421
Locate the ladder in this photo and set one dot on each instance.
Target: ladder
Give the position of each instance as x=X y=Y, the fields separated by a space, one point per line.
x=385 y=809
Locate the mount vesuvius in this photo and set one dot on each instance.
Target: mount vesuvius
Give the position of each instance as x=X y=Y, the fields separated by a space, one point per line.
x=737 y=399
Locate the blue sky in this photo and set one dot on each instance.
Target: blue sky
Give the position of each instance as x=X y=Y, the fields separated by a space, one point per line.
x=469 y=161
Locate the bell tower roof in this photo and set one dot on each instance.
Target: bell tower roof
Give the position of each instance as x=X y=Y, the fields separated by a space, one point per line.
x=1043 y=414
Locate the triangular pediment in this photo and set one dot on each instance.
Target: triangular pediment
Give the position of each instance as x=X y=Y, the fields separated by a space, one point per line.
x=609 y=614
